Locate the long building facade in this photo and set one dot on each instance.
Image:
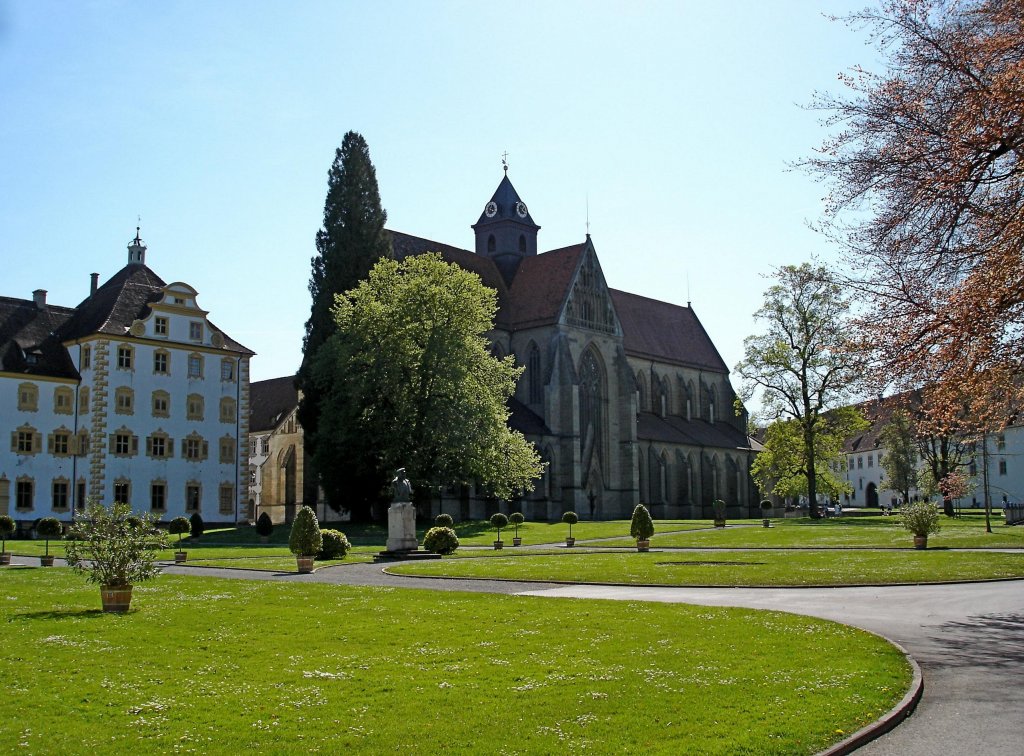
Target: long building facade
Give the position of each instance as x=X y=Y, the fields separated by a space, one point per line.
x=132 y=396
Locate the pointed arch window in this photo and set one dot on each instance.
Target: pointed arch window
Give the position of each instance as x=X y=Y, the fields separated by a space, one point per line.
x=522 y=243
x=536 y=384
x=592 y=396
x=491 y=244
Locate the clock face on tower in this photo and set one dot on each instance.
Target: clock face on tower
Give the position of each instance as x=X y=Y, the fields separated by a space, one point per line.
x=521 y=209
x=491 y=210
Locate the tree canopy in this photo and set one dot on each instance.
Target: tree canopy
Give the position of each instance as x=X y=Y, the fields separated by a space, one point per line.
x=350 y=242
x=409 y=381
x=927 y=196
x=802 y=365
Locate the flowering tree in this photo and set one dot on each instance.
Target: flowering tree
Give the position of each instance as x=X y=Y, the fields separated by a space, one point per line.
x=927 y=196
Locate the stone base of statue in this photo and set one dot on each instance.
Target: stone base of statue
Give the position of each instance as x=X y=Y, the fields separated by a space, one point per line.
x=402 y=527
x=402 y=543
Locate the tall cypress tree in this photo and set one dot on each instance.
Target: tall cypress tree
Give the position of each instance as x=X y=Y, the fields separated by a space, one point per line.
x=351 y=241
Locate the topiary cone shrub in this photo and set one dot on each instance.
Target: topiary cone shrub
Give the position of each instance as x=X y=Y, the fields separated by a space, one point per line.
x=264 y=526
x=570 y=518
x=305 y=540
x=499 y=521
x=49 y=527
x=444 y=520
x=441 y=540
x=7 y=528
x=719 y=506
x=641 y=527
x=196 y=525
x=335 y=544
x=517 y=519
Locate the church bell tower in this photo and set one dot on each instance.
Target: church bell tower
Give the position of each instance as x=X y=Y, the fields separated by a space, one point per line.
x=505 y=231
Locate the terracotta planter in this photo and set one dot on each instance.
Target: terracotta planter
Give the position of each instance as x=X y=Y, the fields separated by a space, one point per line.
x=5 y=558
x=719 y=523
x=116 y=598
x=517 y=541
x=920 y=542
x=570 y=541
x=46 y=561
x=643 y=544
x=305 y=564
x=766 y=522
x=180 y=556
x=499 y=545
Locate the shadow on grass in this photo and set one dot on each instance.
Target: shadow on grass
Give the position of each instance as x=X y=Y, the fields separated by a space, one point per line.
x=60 y=614
x=988 y=640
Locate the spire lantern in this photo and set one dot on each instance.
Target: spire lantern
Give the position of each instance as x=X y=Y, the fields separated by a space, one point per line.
x=137 y=250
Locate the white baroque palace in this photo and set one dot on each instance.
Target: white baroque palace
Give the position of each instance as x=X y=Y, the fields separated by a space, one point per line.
x=133 y=396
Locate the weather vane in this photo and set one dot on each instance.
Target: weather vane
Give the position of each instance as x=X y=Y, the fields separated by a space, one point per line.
x=504 y=161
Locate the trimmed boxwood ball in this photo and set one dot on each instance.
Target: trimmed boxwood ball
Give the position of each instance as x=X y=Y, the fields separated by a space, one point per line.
x=444 y=520
x=264 y=525
x=305 y=538
x=334 y=544
x=49 y=527
x=441 y=540
x=570 y=518
x=517 y=519
x=7 y=528
x=765 y=505
x=196 y=524
x=178 y=526
x=641 y=527
x=499 y=521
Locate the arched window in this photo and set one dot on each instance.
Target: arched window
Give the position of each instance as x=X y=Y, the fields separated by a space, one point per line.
x=533 y=376
x=655 y=478
x=522 y=243
x=592 y=395
x=641 y=392
x=491 y=245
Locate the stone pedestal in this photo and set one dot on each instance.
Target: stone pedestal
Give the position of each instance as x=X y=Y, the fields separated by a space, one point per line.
x=402 y=527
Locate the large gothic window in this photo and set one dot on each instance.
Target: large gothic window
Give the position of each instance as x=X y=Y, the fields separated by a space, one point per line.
x=533 y=375
x=591 y=408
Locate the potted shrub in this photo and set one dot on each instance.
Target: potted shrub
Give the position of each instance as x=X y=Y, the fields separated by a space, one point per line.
x=334 y=544
x=7 y=528
x=719 y=507
x=570 y=518
x=499 y=521
x=641 y=527
x=517 y=519
x=444 y=520
x=922 y=519
x=305 y=540
x=49 y=527
x=264 y=527
x=441 y=540
x=113 y=553
x=196 y=525
x=766 y=507
x=179 y=526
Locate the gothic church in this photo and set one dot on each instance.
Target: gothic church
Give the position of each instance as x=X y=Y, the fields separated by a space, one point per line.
x=625 y=397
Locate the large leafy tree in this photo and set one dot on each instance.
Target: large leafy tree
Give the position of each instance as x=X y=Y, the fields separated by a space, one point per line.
x=409 y=381
x=927 y=196
x=781 y=466
x=349 y=244
x=900 y=462
x=802 y=364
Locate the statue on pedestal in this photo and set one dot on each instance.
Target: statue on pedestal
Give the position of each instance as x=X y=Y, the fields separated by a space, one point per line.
x=401 y=515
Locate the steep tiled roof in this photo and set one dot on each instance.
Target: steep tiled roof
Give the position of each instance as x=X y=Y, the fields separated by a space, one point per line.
x=27 y=339
x=525 y=420
x=665 y=332
x=878 y=412
x=124 y=298
x=541 y=285
x=270 y=401
x=676 y=430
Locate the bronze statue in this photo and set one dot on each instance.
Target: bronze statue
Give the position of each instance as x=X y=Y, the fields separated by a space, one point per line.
x=401 y=489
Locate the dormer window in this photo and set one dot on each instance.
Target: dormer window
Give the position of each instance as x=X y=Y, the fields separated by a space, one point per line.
x=179 y=300
x=160 y=326
x=195 y=331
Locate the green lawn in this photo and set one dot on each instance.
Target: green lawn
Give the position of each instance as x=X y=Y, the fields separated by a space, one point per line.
x=736 y=568
x=217 y=666
x=842 y=532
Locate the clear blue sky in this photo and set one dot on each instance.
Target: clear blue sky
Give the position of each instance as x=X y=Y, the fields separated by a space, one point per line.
x=217 y=123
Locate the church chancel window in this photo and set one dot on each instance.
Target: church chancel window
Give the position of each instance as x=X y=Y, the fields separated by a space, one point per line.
x=591 y=408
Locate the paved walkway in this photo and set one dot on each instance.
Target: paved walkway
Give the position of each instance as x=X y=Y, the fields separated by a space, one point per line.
x=968 y=639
